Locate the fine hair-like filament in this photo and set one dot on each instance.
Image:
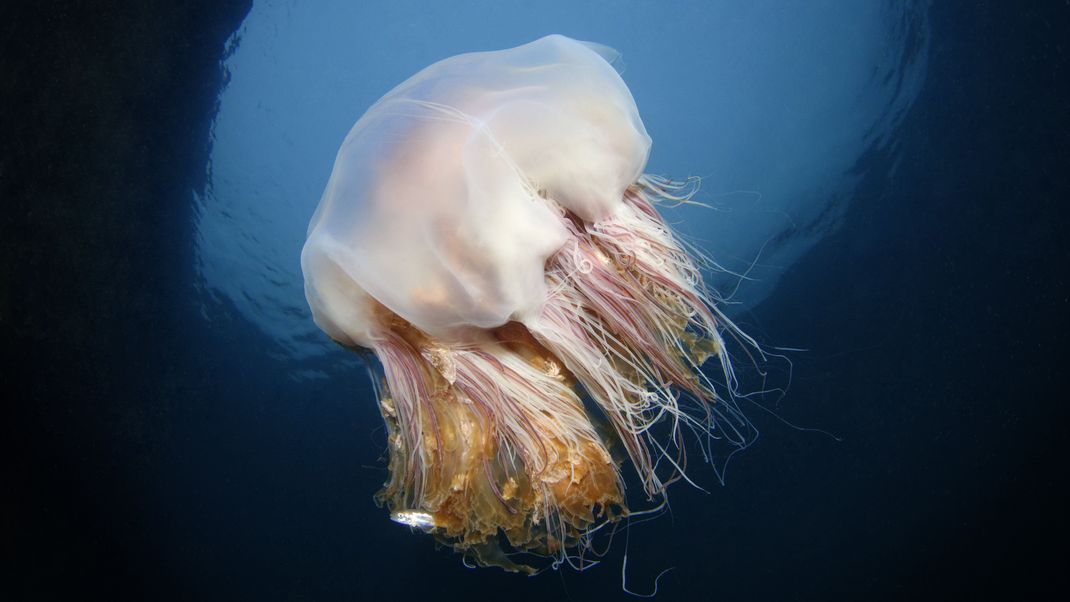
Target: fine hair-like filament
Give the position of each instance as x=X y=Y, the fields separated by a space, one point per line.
x=491 y=448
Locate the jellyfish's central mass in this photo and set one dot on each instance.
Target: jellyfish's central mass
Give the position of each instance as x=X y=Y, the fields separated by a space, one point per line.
x=487 y=232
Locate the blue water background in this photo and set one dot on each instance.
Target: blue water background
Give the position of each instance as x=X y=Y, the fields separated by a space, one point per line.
x=895 y=173
x=794 y=115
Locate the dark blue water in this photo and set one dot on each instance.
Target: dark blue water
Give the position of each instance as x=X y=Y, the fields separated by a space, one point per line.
x=168 y=441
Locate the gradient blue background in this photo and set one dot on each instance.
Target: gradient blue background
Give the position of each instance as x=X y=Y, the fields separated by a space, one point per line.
x=177 y=430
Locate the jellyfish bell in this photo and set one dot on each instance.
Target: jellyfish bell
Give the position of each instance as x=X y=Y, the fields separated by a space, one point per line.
x=488 y=233
x=437 y=181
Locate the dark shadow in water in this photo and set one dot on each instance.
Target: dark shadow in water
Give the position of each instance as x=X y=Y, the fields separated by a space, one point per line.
x=158 y=455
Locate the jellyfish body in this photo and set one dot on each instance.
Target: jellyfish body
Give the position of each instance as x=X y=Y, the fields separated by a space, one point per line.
x=488 y=233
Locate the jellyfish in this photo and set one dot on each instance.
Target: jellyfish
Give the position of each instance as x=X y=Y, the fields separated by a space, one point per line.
x=489 y=235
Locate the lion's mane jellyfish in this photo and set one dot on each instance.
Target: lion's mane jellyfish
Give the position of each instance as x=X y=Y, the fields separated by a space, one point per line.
x=489 y=235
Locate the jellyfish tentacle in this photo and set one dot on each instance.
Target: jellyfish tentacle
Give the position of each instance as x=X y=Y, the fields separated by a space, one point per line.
x=628 y=314
x=491 y=438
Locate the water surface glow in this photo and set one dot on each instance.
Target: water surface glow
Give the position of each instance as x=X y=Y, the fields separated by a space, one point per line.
x=775 y=107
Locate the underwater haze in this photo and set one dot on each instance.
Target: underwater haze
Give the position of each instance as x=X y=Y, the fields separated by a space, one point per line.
x=883 y=183
x=771 y=104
